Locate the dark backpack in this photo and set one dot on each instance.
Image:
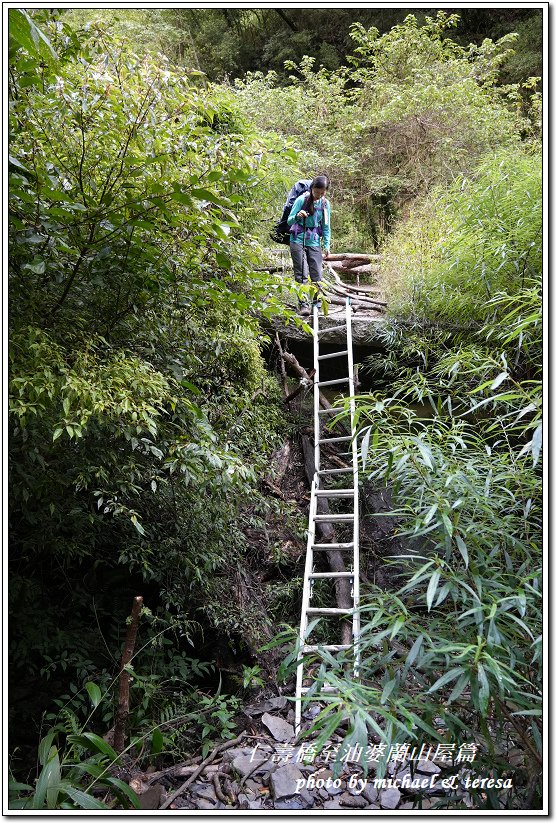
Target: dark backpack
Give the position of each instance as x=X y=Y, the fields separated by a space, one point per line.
x=281 y=230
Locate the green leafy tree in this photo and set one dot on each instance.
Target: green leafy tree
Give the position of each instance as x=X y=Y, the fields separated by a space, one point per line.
x=138 y=394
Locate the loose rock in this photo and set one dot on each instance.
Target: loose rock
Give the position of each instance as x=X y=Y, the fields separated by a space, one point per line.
x=280 y=729
x=428 y=767
x=244 y=765
x=204 y=804
x=389 y=798
x=370 y=794
x=266 y=706
x=293 y=803
x=353 y=801
x=333 y=804
x=284 y=781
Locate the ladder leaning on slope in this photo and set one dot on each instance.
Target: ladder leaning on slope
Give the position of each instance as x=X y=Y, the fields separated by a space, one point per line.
x=320 y=489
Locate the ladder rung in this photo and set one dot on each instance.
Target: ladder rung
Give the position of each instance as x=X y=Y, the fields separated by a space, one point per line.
x=348 y=516
x=318 y=695
x=315 y=575
x=333 y=355
x=328 y=647
x=328 y=611
x=333 y=383
x=332 y=329
x=335 y=440
x=325 y=547
x=334 y=471
x=334 y=493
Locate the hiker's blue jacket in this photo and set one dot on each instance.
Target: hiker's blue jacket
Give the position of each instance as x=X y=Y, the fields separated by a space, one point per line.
x=317 y=226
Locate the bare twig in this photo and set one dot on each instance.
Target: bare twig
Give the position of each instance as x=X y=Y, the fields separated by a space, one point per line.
x=218 y=790
x=521 y=731
x=199 y=770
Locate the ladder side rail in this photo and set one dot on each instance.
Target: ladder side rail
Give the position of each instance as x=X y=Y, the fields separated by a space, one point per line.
x=356 y=562
x=316 y=419
x=305 y=604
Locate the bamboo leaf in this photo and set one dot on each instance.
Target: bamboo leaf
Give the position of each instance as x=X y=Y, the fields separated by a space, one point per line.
x=446 y=678
x=499 y=380
x=483 y=692
x=463 y=549
x=432 y=588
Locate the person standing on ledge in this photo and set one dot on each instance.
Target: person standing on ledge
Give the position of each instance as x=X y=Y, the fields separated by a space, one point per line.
x=310 y=236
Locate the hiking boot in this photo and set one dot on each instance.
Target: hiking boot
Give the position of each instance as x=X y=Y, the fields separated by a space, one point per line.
x=304 y=310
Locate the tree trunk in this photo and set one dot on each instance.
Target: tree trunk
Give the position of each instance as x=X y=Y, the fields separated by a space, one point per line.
x=288 y=22
x=123 y=710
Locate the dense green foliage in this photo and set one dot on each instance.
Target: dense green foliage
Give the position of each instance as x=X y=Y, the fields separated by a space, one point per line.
x=139 y=402
x=141 y=411
x=454 y=655
x=230 y=42
x=413 y=109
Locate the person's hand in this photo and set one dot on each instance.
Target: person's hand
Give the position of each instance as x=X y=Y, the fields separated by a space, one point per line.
x=326 y=254
x=303 y=213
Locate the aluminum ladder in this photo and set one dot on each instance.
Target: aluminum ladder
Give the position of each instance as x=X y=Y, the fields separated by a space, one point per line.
x=320 y=488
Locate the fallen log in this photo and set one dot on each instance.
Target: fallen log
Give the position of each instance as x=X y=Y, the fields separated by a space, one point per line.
x=279 y=464
x=353 y=256
x=299 y=389
x=300 y=372
x=363 y=269
x=377 y=306
x=357 y=289
x=354 y=291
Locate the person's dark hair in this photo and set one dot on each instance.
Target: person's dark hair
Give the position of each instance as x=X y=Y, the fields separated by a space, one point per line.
x=321 y=181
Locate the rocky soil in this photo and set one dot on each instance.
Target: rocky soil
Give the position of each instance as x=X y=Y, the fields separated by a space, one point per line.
x=266 y=768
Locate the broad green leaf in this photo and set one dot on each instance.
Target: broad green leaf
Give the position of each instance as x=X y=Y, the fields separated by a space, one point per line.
x=447 y=524
x=157 y=741
x=412 y=655
x=206 y=194
x=24 y=31
x=16 y=786
x=387 y=690
x=459 y=687
x=45 y=746
x=94 y=693
x=426 y=453
x=45 y=793
x=90 y=740
x=124 y=788
x=37 y=267
x=364 y=447
x=15 y=162
x=83 y=800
